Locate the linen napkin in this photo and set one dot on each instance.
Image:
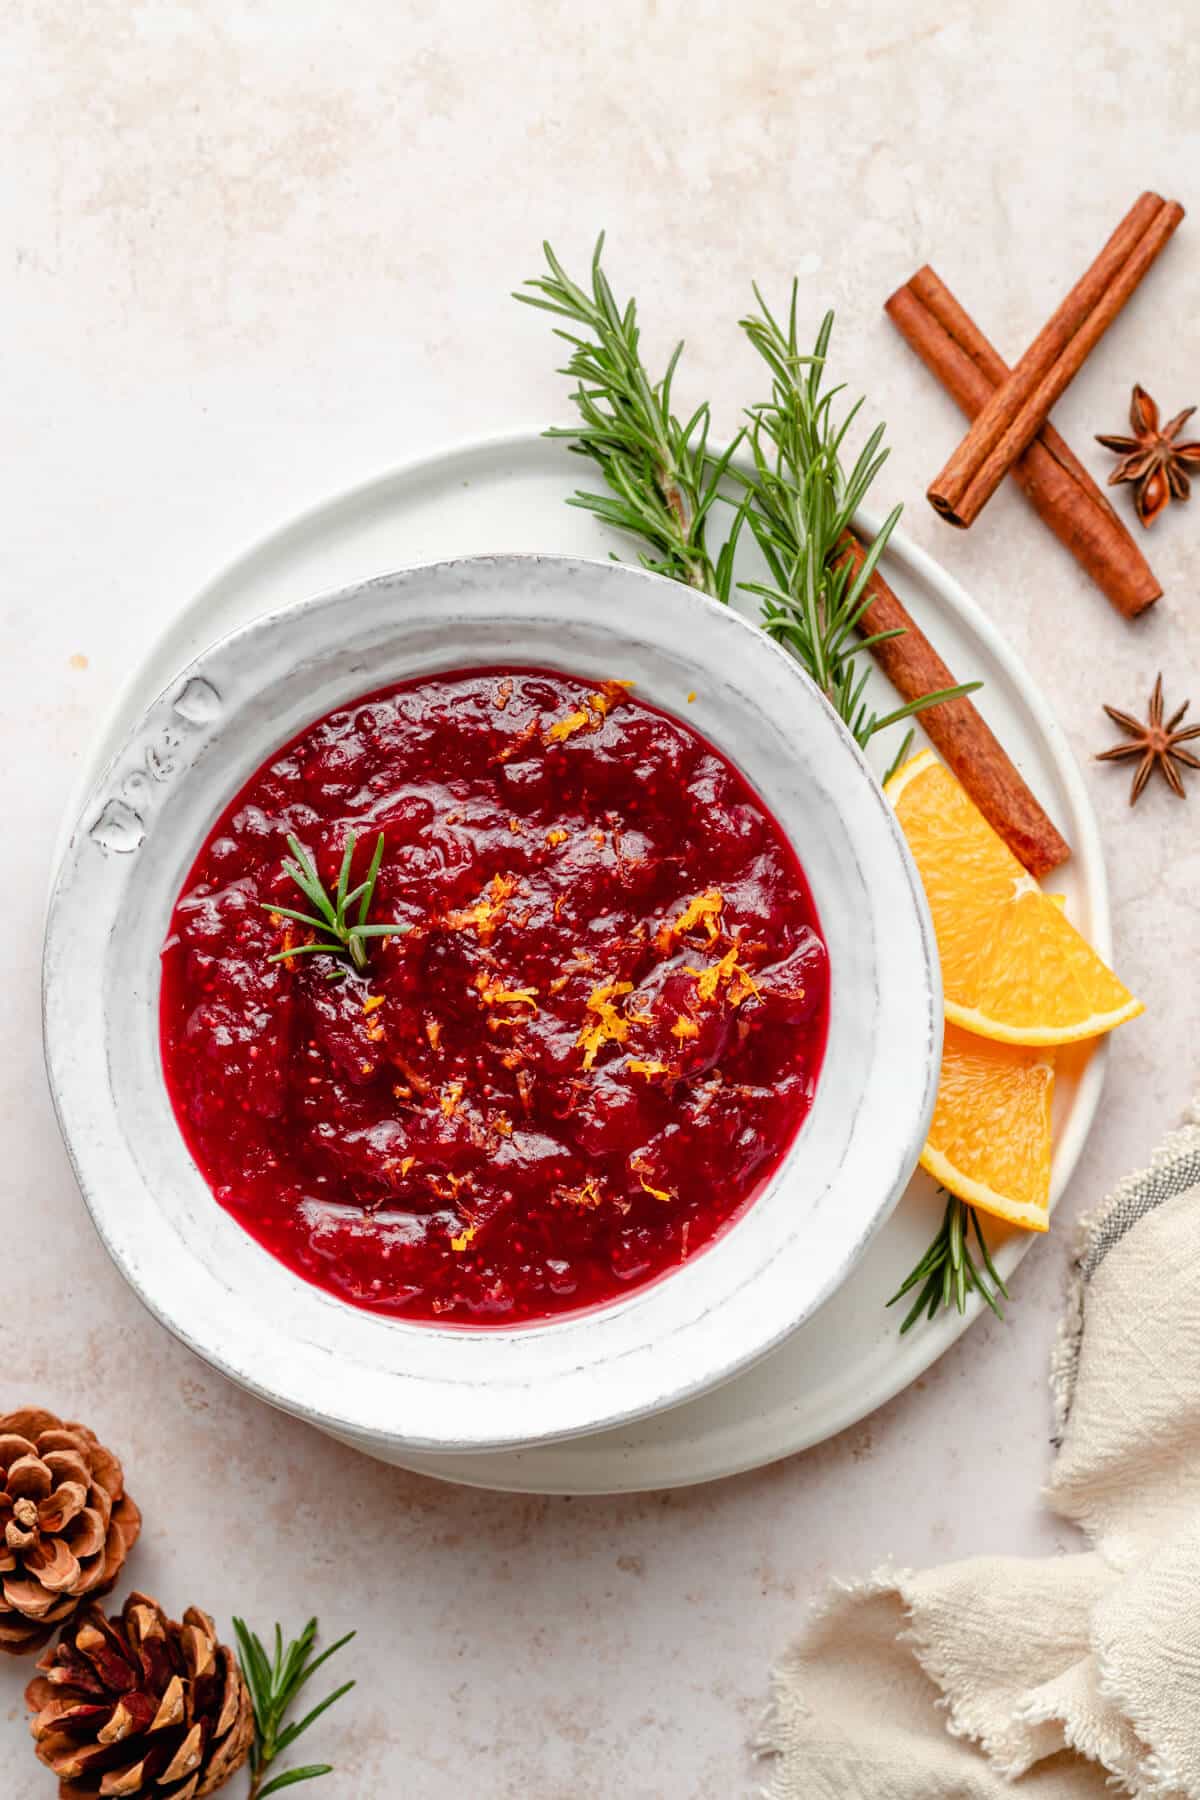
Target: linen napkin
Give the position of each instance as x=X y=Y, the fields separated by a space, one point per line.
x=1074 y=1676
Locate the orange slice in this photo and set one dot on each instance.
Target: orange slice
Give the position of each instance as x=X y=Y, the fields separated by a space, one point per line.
x=1013 y=966
x=989 y=1142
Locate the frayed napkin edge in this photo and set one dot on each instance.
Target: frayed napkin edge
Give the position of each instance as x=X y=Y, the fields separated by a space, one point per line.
x=1064 y=1356
x=769 y=1741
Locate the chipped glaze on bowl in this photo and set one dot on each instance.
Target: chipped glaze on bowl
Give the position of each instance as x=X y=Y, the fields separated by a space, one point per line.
x=390 y=1384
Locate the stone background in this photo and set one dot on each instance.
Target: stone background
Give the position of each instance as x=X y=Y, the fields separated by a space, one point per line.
x=253 y=253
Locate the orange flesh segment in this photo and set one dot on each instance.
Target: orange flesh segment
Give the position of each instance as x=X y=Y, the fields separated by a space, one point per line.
x=1014 y=968
x=989 y=1142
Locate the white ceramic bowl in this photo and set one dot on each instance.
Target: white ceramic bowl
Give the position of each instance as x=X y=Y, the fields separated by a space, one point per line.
x=386 y=1384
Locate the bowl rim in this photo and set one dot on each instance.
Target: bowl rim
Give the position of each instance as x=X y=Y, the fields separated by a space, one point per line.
x=290 y=617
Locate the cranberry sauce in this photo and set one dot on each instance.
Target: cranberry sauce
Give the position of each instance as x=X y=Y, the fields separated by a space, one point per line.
x=593 y=1036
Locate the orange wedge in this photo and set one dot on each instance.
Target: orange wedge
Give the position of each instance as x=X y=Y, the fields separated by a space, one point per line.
x=989 y=1142
x=1013 y=966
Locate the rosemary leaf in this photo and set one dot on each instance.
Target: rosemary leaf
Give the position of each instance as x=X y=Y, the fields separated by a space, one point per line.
x=663 y=483
x=337 y=936
x=900 y=757
x=289 y=1779
x=274 y=1684
x=802 y=503
x=948 y=1272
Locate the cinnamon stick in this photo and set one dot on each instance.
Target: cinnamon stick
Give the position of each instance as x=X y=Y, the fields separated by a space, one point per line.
x=966 y=743
x=1048 y=473
x=1017 y=409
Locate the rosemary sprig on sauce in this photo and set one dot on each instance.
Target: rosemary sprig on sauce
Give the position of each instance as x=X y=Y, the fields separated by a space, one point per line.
x=274 y=1683
x=948 y=1272
x=340 y=933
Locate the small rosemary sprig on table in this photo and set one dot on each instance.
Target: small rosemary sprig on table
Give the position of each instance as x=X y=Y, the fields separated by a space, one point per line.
x=948 y=1272
x=662 y=481
x=274 y=1683
x=340 y=934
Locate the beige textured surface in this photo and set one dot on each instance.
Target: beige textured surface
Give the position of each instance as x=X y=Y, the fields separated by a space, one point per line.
x=255 y=252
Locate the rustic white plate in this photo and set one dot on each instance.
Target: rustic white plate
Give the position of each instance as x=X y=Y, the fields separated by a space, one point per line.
x=507 y=494
x=398 y=1386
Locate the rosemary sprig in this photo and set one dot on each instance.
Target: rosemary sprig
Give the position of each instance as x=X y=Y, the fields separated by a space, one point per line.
x=948 y=1272
x=663 y=483
x=801 y=506
x=274 y=1683
x=341 y=934
x=661 y=479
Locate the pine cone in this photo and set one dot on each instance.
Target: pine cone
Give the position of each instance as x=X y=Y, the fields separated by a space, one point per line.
x=67 y=1524
x=138 y=1705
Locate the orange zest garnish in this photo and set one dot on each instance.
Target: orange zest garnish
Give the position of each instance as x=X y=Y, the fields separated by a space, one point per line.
x=503 y=694
x=685 y=1027
x=486 y=913
x=728 y=971
x=373 y=1002
x=464 y=1237
x=406 y=1163
x=503 y=1124
x=555 y=838
x=640 y=1066
x=742 y=987
x=703 y=909
x=657 y=1193
x=609 y=1026
x=493 y=992
x=587 y=1195
x=433 y=1031
x=638 y=1166
x=413 y=1076
x=450 y=1098
x=562 y=728
x=522 y=737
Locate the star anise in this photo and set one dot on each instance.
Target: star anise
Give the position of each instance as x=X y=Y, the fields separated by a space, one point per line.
x=1155 y=743
x=1151 y=458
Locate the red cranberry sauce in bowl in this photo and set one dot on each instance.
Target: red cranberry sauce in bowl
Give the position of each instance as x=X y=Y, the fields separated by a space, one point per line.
x=584 y=1030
